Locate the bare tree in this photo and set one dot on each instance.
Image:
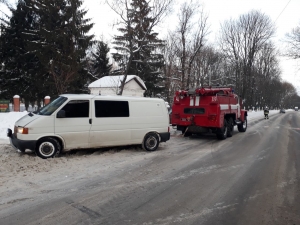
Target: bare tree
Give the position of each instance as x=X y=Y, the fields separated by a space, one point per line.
x=266 y=70
x=241 y=40
x=207 y=66
x=192 y=29
x=127 y=48
x=172 y=75
x=8 y=5
x=293 y=41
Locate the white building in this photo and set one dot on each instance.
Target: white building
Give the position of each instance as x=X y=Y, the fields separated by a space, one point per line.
x=110 y=85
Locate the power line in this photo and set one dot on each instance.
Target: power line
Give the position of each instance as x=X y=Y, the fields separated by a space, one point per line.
x=282 y=10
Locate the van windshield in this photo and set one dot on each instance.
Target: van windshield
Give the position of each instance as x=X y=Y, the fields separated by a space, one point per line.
x=52 y=106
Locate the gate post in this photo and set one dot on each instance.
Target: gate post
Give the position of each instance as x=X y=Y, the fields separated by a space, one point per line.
x=16 y=103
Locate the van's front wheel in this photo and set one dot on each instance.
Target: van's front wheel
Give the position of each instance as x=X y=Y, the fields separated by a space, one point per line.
x=151 y=142
x=48 y=148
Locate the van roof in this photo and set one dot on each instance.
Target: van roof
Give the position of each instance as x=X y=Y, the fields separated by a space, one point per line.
x=109 y=97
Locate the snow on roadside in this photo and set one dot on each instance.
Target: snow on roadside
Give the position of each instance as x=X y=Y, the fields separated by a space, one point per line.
x=7 y=120
x=259 y=114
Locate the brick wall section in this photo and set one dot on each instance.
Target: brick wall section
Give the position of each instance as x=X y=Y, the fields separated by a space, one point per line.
x=16 y=103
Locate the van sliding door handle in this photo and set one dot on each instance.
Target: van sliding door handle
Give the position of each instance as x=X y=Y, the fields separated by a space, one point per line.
x=90 y=121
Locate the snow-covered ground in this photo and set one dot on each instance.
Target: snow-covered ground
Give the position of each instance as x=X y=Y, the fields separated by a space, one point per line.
x=7 y=120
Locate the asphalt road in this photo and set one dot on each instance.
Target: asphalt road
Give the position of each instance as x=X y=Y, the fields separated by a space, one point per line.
x=250 y=178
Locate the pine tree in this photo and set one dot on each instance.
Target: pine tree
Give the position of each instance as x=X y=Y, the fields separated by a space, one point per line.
x=63 y=42
x=100 y=61
x=21 y=68
x=43 y=49
x=147 y=63
x=138 y=46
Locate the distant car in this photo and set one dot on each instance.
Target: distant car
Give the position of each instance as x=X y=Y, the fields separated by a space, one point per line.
x=282 y=111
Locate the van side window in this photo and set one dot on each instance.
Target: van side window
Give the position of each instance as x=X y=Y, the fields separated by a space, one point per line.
x=77 y=108
x=111 y=108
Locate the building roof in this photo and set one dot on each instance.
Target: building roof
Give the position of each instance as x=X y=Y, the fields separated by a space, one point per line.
x=109 y=97
x=115 y=81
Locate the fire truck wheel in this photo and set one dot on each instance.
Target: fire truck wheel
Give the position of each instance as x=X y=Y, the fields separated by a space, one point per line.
x=222 y=132
x=183 y=129
x=230 y=127
x=243 y=126
x=151 y=142
x=187 y=134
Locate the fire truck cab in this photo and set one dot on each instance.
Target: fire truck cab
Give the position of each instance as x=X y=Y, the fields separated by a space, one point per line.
x=208 y=109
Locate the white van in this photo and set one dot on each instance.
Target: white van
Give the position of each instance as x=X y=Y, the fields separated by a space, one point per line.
x=74 y=121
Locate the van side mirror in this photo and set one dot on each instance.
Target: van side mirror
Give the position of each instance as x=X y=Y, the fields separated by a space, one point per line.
x=61 y=114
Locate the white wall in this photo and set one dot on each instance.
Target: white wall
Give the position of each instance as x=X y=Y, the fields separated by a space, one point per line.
x=128 y=90
x=133 y=85
x=103 y=91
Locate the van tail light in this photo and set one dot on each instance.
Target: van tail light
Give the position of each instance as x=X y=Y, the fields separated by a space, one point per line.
x=212 y=117
x=168 y=129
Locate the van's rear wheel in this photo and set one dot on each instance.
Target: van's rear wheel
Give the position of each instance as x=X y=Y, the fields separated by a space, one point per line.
x=47 y=148
x=151 y=142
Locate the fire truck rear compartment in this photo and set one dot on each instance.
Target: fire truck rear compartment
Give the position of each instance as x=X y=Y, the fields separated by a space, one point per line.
x=208 y=110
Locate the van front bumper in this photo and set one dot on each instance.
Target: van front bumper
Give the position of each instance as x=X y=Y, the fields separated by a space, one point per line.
x=18 y=144
x=164 y=136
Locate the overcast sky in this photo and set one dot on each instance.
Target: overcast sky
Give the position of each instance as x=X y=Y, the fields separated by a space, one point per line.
x=284 y=13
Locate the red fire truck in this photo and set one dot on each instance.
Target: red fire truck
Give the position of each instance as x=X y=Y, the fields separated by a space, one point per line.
x=208 y=109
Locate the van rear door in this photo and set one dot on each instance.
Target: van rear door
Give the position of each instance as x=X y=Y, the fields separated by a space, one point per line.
x=74 y=128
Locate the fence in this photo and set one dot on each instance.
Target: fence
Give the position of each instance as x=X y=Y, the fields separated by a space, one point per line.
x=4 y=107
x=17 y=106
x=23 y=108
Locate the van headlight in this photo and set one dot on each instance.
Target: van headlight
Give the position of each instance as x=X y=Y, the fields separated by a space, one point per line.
x=22 y=130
